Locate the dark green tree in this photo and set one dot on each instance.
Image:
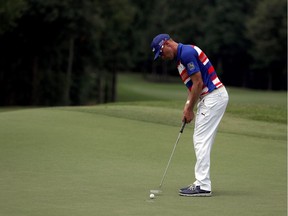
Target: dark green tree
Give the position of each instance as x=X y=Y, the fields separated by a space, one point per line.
x=224 y=39
x=59 y=52
x=10 y=11
x=267 y=31
x=115 y=43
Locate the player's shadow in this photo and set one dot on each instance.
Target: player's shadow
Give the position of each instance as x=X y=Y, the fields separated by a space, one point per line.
x=230 y=193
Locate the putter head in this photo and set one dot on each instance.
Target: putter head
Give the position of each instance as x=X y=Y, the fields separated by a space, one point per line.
x=156 y=192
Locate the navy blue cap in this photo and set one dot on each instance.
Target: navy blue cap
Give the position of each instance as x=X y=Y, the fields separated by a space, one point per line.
x=157 y=43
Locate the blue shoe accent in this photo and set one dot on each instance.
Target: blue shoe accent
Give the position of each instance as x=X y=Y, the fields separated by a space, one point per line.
x=195 y=191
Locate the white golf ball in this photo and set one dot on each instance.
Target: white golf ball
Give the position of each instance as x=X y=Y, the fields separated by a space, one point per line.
x=152 y=196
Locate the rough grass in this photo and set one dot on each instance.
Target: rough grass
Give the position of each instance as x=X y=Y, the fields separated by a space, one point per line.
x=258 y=105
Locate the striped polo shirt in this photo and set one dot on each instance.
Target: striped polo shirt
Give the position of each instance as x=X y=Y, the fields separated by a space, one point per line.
x=191 y=59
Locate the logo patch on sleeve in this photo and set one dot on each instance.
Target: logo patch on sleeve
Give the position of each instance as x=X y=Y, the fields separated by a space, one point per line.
x=191 y=66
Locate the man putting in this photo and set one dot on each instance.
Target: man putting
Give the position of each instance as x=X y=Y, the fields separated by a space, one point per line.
x=204 y=87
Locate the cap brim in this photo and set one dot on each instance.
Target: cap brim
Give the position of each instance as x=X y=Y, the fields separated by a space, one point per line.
x=156 y=54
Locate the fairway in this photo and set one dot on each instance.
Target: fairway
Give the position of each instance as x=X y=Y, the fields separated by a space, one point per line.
x=103 y=160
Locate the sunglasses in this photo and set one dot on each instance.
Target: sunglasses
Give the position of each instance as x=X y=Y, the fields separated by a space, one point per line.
x=161 y=49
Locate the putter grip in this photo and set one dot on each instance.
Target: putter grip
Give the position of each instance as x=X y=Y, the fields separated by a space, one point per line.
x=183 y=126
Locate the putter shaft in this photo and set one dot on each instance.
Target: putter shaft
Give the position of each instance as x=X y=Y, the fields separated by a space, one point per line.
x=181 y=131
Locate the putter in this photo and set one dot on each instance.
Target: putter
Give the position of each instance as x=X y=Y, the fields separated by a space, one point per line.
x=159 y=191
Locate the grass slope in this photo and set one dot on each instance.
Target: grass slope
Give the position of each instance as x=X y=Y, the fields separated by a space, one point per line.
x=103 y=160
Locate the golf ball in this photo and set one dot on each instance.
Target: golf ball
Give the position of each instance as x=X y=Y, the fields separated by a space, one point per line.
x=152 y=196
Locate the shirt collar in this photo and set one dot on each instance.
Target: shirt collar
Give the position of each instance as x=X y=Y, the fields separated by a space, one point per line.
x=179 y=50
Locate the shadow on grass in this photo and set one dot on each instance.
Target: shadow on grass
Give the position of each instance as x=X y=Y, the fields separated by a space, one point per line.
x=230 y=193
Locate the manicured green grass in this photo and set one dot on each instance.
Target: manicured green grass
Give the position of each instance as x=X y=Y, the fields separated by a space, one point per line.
x=103 y=160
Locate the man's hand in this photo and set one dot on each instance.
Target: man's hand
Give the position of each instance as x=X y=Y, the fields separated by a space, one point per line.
x=188 y=114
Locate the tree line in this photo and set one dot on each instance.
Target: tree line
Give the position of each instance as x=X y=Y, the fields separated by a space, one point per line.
x=69 y=52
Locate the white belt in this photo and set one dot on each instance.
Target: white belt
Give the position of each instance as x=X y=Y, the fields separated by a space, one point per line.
x=220 y=89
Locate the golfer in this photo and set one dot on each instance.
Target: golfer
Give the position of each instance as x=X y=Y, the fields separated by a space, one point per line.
x=204 y=88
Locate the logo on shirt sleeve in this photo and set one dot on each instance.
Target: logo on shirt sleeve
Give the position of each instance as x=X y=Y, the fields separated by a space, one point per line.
x=191 y=66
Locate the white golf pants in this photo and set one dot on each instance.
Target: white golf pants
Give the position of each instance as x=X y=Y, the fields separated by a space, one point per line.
x=210 y=111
